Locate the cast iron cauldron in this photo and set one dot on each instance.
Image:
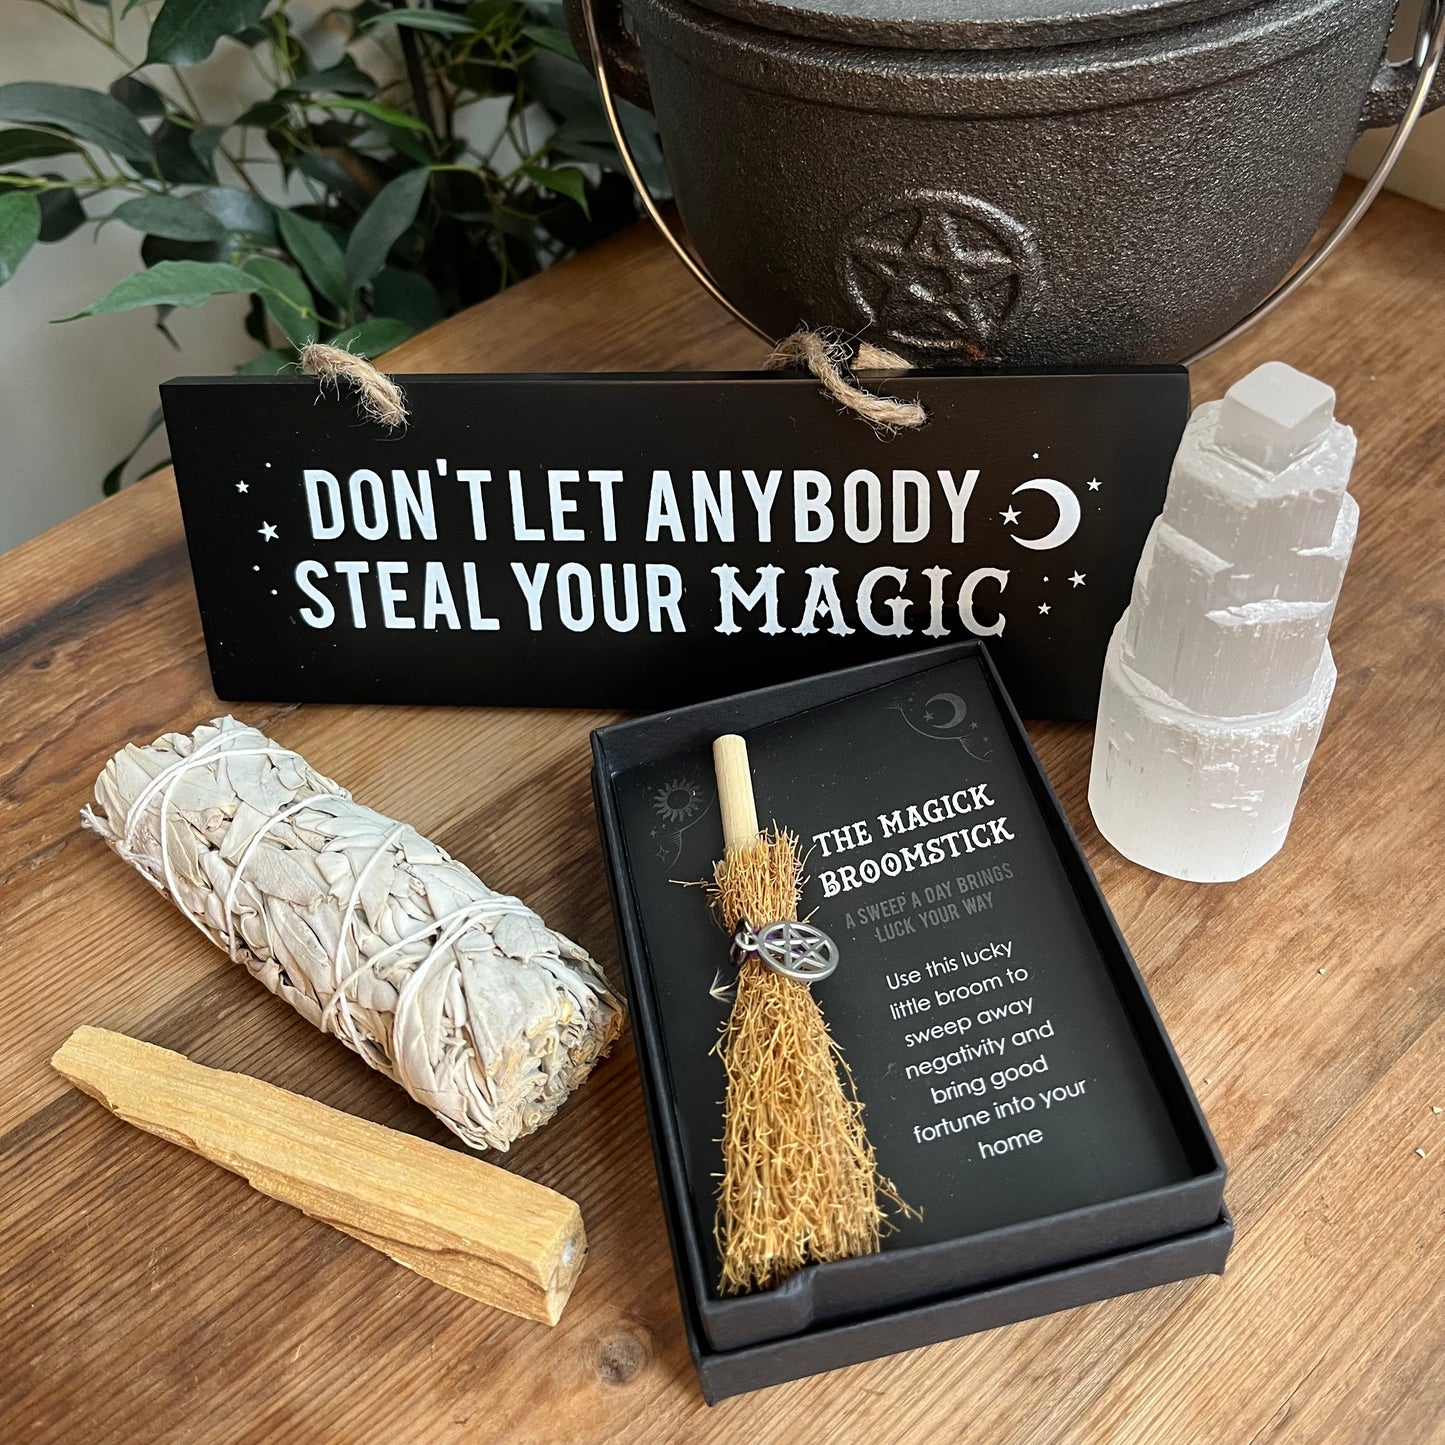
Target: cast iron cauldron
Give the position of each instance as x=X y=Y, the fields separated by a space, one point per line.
x=1017 y=181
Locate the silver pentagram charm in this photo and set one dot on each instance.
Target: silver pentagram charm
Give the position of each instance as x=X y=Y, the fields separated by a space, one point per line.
x=795 y=950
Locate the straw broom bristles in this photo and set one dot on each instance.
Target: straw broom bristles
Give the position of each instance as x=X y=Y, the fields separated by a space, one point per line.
x=800 y=1181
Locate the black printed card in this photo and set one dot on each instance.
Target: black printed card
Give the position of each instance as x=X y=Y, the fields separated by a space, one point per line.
x=1010 y=1064
x=645 y=541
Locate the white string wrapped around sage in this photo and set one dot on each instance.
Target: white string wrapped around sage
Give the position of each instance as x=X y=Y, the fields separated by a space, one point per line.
x=461 y=995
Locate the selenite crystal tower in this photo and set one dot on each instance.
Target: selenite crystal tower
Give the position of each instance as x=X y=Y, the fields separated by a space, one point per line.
x=1219 y=673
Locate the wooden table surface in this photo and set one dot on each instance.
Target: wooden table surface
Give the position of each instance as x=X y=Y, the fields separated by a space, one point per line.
x=146 y=1295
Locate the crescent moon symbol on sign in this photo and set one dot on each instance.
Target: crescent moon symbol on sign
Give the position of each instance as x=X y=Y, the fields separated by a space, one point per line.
x=960 y=708
x=1069 y=514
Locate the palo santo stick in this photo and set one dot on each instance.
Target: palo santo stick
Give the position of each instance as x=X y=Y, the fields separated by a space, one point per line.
x=455 y=1219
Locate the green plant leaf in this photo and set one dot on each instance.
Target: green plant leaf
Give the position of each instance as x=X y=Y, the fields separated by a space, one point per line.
x=204 y=141
x=287 y=298
x=346 y=77
x=155 y=249
x=22 y=144
x=385 y=113
x=88 y=115
x=382 y=225
x=354 y=177
x=19 y=230
x=269 y=363
x=408 y=296
x=550 y=38
x=317 y=253
x=111 y=484
x=137 y=97
x=174 y=217
x=570 y=94
x=372 y=337
x=565 y=181
x=486 y=13
x=285 y=281
x=441 y=22
x=185 y=32
x=240 y=213
x=61 y=213
x=185 y=154
x=299 y=330
x=408 y=143
x=173 y=283
x=265 y=113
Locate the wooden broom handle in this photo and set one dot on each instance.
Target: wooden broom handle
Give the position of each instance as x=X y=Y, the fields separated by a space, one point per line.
x=735 y=791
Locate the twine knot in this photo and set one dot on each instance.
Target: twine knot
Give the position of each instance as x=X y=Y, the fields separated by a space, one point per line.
x=380 y=398
x=832 y=358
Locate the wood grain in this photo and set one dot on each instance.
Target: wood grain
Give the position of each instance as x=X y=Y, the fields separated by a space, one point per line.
x=453 y=1218
x=144 y=1295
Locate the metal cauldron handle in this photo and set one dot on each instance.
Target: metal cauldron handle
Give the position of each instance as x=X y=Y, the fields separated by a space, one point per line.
x=1394 y=83
x=1389 y=83
x=1400 y=93
x=600 y=36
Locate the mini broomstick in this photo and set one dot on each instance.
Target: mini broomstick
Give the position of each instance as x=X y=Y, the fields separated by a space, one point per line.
x=800 y=1181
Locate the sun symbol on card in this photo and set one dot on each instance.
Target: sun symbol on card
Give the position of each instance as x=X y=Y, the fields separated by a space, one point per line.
x=680 y=803
x=677 y=801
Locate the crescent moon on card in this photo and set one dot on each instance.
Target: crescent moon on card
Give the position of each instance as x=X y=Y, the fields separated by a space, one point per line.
x=1069 y=514
x=960 y=708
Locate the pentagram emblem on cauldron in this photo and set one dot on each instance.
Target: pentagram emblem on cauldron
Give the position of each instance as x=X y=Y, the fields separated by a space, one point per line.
x=939 y=271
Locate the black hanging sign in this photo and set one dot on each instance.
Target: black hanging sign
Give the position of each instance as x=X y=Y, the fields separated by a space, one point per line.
x=645 y=541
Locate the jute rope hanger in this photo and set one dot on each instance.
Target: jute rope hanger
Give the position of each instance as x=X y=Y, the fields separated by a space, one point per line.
x=378 y=396
x=827 y=355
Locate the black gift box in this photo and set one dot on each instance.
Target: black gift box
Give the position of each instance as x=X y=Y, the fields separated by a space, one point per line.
x=1128 y=1191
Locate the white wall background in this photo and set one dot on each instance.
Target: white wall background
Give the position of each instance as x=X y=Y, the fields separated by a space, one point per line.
x=73 y=398
x=1420 y=172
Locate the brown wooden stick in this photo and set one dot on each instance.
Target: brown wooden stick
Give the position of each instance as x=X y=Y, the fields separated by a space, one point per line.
x=466 y=1224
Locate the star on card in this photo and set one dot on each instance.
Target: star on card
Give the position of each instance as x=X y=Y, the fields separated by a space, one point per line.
x=267 y=531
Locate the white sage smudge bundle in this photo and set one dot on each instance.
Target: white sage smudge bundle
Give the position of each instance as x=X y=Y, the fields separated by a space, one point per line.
x=461 y=995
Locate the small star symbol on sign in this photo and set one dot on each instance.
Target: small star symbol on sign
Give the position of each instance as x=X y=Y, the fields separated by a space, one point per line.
x=1010 y=517
x=1077 y=579
x=928 y=717
x=243 y=486
x=973 y=725
x=267 y=531
x=1094 y=485
x=1043 y=609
